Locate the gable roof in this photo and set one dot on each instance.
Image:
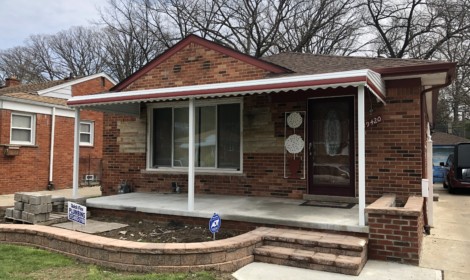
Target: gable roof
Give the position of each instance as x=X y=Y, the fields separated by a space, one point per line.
x=266 y=65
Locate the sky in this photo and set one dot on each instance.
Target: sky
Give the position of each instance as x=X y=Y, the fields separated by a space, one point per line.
x=21 y=18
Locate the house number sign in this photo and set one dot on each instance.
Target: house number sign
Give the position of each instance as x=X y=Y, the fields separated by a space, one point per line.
x=373 y=121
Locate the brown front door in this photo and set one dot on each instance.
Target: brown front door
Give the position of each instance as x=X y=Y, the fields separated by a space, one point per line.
x=331 y=146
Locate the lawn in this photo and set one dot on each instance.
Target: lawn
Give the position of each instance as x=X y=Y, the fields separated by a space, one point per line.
x=19 y=262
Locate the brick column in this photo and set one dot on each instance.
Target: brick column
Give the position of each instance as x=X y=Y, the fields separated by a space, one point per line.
x=396 y=233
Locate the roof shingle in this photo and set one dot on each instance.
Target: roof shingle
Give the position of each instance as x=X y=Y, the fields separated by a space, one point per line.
x=303 y=63
x=32 y=88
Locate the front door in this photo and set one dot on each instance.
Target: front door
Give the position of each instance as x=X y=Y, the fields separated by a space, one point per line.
x=331 y=146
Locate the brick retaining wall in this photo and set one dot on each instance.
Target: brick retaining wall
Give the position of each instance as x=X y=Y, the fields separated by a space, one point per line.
x=225 y=255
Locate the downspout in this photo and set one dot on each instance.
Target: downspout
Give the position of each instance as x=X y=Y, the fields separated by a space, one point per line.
x=76 y=153
x=50 y=185
x=427 y=226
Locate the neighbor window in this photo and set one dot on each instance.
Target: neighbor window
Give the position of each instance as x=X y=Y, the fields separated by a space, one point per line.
x=22 y=129
x=86 y=133
x=217 y=136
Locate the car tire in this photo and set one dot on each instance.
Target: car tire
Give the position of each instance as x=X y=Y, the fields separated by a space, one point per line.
x=444 y=185
x=451 y=189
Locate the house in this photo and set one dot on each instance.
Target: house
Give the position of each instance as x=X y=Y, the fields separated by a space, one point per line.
x=36 y=133
x=292 y=125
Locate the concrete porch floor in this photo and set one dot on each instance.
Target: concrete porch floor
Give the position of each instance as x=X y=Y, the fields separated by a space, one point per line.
x=275 y=211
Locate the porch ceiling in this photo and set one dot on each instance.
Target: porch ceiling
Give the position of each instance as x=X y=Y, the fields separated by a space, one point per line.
x=128 y=102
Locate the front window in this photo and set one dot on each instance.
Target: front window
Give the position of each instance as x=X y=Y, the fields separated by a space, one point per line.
x=86 y=133
x=217 y=136
x=22 y=129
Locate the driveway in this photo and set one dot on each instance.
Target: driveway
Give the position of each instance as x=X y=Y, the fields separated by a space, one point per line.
x=448 y=246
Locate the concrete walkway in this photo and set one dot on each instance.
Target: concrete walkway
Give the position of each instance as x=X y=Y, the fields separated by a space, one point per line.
x=373 y=270
x=448 y=246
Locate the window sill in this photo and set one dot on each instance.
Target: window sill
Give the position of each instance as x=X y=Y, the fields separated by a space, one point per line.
x=86 y=146
x=221 y=172
x=20 y=145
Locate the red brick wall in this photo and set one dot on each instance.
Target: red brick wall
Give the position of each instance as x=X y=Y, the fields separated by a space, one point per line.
x=93 y=86
x=91 y=157
x=195 y=65
x=29 y=171
x=393 y=147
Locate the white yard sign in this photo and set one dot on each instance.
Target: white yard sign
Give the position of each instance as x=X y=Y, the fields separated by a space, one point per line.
x=77 y=213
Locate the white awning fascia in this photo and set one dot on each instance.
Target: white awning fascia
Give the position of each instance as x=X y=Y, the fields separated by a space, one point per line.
x=366 y=78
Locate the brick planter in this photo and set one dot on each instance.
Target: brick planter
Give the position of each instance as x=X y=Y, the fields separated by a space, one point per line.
x=396 y=233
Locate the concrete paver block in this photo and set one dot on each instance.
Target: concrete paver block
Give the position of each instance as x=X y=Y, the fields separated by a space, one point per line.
x=9 y=212
x=17 y=214
x=19 y=205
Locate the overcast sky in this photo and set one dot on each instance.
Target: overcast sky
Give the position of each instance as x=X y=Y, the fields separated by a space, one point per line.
x=21 y=18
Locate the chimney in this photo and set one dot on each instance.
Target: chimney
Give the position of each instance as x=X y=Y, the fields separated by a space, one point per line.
x=12 y=81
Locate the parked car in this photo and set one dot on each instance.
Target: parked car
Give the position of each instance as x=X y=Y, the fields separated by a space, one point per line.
x=440 y=153
x=458 y=165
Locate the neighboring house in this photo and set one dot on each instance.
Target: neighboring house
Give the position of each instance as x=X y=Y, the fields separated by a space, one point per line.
x=29 y=113
x=442 y=146
x=288 y=125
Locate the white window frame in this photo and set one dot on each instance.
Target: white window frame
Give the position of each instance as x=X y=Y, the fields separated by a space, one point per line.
x=91 y=133
x=184 y=104
x=32 y=130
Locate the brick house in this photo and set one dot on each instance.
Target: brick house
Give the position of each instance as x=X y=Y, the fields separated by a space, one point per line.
x=289 y=125
x=29 y=115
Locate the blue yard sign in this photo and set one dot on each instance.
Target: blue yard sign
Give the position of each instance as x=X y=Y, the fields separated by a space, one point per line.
x=214 y=223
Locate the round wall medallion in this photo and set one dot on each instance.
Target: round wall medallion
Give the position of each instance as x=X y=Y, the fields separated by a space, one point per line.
x=294 y=120
x=294 y=144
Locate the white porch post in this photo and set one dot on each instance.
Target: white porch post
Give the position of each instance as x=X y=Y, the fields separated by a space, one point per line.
x=191 y=156
x=430 y=179
x=76 y=153
x=361 y=154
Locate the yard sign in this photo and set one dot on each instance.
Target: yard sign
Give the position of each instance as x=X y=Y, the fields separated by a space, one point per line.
x=77 y=213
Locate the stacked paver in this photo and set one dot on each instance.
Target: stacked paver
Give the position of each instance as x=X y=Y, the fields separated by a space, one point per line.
x=58 y=204
x=30 y=208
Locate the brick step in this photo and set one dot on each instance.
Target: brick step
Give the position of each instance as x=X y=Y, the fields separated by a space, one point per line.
x=309 y=259
x=317 y=241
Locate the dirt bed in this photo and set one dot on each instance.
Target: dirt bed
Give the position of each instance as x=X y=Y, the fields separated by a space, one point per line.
x=148 y=231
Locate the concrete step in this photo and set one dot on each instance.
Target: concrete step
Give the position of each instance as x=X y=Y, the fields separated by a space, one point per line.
x=317 y=241
x=309 y=259
x=314 y=250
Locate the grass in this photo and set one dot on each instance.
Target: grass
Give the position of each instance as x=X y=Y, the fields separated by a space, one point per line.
x=19 y=262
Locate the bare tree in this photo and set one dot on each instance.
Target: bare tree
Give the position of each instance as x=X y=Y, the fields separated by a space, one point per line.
x=18 y=62
x=457 y=96
x=129 y=38
x=38 y=48
x=78 y=50
x=415 y=28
